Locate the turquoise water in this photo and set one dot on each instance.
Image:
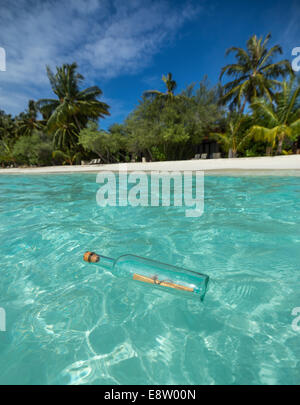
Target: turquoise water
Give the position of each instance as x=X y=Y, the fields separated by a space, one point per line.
x=68 y=322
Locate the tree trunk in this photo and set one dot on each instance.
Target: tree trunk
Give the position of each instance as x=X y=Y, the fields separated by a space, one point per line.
x=232 y=153
x=243 y=106
x=101 y=157
x=77 y=123
x=279 y=148
x=269 y=151
x=150 y=154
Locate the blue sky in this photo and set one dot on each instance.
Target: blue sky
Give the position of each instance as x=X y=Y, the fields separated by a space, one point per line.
x=124 y=47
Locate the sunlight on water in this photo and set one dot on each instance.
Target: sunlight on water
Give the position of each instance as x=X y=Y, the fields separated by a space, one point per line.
x=68 y=322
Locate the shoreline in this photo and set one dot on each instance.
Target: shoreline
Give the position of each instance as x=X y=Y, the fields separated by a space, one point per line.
x=276 y=165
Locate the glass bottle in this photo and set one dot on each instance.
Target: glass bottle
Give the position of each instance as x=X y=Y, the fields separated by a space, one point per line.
x=153 y=272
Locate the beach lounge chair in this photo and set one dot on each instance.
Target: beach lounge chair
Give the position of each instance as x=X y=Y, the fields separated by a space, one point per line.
x=197 y=156
x=95 y=162
x=216 y=155
x=204 y=156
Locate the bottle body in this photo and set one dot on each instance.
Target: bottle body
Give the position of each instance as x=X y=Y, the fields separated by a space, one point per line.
x=153 y=272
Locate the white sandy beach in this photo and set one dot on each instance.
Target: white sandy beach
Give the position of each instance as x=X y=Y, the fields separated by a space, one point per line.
x=273 y=165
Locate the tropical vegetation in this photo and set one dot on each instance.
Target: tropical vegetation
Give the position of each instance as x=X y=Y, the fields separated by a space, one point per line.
x=254 y=74
x=252 y=111
x=278 y=121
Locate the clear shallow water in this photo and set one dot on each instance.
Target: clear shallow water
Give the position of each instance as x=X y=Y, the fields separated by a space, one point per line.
x=70 y=323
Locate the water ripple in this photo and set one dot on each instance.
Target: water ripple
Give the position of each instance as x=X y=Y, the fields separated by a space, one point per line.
x=75 y=324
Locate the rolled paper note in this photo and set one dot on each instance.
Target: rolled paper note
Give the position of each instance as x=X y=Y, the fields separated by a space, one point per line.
x=153 y=280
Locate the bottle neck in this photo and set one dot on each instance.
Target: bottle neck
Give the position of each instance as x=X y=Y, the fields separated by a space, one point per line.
x=106 y=262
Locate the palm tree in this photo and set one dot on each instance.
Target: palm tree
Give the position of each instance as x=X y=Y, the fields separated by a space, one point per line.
x=7 y=126
x=170 y=88
x=27 y=122
x=234 y=136
x=65 y=135
x=254 y=74
x=6 y=151
x=281 y=119
x=69 y=156
x=72 y=104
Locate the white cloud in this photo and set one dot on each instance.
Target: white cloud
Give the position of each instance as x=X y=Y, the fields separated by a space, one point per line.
x=288 y=34
x=107 y=38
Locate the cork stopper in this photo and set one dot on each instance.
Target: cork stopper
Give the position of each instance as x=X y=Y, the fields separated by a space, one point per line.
x=91 y=257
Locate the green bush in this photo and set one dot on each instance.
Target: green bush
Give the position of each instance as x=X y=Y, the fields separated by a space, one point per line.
x=35 y=149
